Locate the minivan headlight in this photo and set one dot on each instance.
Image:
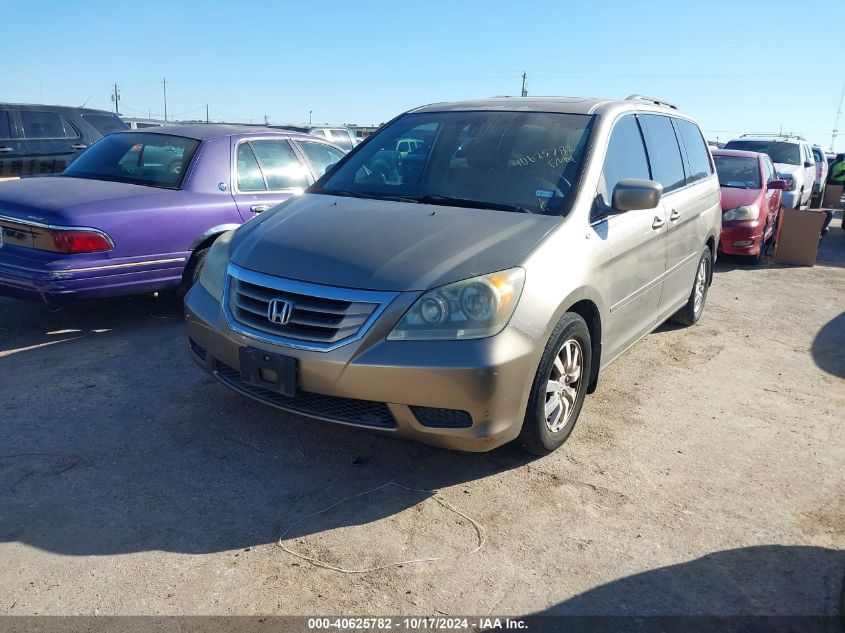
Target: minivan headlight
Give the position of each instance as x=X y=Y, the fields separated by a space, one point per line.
x=473 y=308
x=745 y=212
x=213 y=273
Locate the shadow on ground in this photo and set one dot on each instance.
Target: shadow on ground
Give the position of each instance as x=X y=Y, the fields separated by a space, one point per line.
x=115 y=442
x=763 y=588
x=829 y=347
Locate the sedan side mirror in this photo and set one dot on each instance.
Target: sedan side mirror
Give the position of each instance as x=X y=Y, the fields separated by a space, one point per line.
x=633 y=194
x=777 y=184
x=328 y=167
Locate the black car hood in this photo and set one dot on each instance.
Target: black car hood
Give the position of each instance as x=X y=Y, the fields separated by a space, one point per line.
x=384 y=245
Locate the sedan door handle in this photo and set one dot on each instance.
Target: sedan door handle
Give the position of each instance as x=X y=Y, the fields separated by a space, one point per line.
x=658 y=222
x=674 y=215
x=6 y=149
x=78 y=146
x=259 y=208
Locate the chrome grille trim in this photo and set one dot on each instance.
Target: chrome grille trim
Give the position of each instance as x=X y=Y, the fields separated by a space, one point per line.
x=323 y=317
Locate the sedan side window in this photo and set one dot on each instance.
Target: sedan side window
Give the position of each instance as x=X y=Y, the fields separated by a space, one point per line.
x=249 y=173
x=625 y=157
x=320 y=155
x=279 y=164
x=664 y=155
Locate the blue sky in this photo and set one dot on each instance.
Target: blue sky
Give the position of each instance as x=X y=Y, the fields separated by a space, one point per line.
x=737 y=66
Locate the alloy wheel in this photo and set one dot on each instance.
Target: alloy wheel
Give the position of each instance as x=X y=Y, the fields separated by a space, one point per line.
x=563 y=385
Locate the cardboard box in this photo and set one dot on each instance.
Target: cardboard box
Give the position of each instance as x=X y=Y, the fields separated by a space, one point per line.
x=832 y=196
x=798 y=237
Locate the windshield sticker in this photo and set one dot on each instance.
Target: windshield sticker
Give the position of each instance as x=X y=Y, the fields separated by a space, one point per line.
x=544 y=193
x=553 y=157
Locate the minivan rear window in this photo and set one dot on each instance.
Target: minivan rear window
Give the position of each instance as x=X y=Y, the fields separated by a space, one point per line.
x=105 y=123
x=140 y=158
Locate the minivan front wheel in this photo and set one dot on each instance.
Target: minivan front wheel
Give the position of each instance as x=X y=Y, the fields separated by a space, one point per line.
x=692 y=311
x=559 y=386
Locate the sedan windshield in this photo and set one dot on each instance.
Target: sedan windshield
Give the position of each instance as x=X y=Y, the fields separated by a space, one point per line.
x=526 y=162
x=779 y=151
x=140 y=158
x=738 y=172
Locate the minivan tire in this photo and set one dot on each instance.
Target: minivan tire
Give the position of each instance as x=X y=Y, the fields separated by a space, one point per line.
x=689 y=315
x=542 y=433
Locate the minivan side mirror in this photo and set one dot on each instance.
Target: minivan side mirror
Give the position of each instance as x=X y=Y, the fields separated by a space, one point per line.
x=777 y=184
x=633 y=194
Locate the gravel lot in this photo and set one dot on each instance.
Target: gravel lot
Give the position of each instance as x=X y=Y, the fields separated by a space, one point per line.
x=706 y=475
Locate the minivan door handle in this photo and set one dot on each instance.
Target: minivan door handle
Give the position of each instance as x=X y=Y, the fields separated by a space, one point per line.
x=78 y=146
x=658 y=222
x=674 y=215
x=259 y=208
x=6 y=149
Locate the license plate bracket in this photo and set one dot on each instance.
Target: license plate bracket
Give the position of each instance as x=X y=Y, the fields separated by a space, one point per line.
x=273 y=372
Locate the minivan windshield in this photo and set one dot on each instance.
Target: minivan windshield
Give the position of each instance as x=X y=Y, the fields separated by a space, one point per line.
x=527 y=162
x=140 y=158
x=782 y=152
x=738 y=172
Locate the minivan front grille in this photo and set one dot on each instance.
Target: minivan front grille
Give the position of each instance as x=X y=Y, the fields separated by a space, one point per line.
x=299 y=314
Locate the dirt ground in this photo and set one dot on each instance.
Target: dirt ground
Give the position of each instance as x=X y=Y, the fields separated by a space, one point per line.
x=705 y=476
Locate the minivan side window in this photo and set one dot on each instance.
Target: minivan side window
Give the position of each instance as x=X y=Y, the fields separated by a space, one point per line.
x=664 y=154
x=625 y=157
x=39 y=124
x=698 y=157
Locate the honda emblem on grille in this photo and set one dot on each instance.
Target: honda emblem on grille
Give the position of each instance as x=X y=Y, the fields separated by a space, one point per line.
x=278 y=311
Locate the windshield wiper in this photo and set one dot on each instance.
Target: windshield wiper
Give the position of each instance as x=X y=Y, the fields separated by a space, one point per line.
x=358 y=194
x=470 y=204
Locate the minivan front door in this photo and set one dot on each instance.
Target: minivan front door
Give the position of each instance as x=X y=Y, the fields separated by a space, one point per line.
x=637 y=244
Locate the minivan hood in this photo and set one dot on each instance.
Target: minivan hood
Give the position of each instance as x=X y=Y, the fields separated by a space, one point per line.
x=384 y=245
x=64 y=200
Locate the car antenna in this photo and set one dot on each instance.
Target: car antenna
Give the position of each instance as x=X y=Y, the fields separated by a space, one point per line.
x=86 y=102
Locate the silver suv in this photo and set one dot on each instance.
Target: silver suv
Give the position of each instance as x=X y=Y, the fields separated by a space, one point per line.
x=793 y=160
x=468 y=292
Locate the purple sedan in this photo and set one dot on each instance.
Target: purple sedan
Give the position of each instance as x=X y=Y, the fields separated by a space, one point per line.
x=137 y=211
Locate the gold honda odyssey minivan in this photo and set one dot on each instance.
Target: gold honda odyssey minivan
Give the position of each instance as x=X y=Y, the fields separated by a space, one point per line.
x=466 y=289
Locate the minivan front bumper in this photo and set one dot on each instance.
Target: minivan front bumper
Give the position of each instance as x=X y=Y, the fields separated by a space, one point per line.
x=466 y=395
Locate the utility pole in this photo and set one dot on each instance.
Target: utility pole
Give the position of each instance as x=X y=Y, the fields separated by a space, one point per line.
x=309 y=116
x=116 y=98
x=836 y=125
x=206 y=113
x=164 y=84
x=265 y=120
x=524 y=91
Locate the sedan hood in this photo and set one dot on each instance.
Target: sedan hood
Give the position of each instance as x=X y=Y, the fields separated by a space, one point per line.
x=384 y=245
x=62 y=200
x=733 y=197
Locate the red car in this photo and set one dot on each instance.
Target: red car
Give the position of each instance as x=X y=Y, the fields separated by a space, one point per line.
x=751 y=200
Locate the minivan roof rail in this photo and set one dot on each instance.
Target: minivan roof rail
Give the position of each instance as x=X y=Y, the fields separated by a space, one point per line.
x=636 y=97
x=778 y=135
